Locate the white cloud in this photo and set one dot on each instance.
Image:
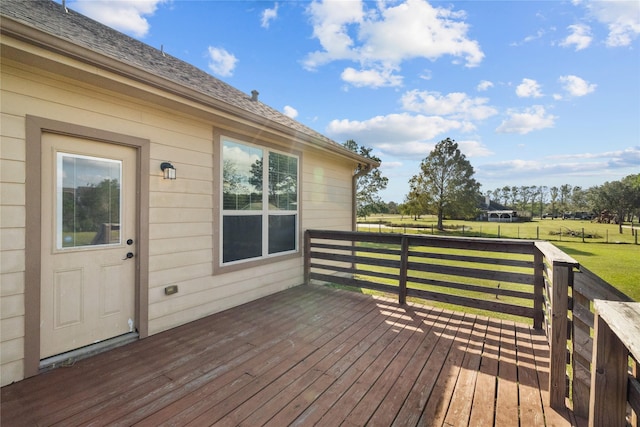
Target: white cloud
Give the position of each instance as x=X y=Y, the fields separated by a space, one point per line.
x=621 y=17
x=580 y=37
x=576 y=86
x=455 y=105
x=269 y=15
x=221 y=62
x=528 y=89
x=606 y=165
x=392 y=129
x=290 y=111
x=380 y=38
x=371 y=77
x=619 y=158
x=127 y=16
x=473 y=149
x=484 y=85
x=523 y=122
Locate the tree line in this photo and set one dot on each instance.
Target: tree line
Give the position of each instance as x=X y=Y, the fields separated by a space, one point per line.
x=445 y=187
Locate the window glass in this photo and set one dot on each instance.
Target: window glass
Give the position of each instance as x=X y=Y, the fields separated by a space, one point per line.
x=248 y=230
x=88 y=201
x=242 y=177
x=242 y=237
x=282 y=233
x=283 y=182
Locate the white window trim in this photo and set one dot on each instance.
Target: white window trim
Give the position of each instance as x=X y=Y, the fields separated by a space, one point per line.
x=264 y=212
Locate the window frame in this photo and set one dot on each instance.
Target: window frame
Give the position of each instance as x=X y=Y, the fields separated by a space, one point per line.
x=265 y=212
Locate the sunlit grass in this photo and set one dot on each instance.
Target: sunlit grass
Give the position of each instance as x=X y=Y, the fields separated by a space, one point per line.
x=613 y=256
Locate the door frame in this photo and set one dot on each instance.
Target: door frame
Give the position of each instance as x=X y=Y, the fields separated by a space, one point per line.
x=35 y=127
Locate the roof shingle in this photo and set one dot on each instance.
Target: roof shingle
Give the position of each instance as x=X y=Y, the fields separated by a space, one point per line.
x=55 y=20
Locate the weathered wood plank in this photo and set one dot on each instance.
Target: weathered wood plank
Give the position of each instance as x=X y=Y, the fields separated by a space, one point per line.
x=484 y=399
x=476 y=273
x=305 y=356
x=553 y=417
x=402 y=385
x=436 y=408
x=421 y=392
x=609 y=378
x=461 y=402
x=500 y=307
x=530 y=400
x=495 y=260
x=507 y=395
x=623 y=318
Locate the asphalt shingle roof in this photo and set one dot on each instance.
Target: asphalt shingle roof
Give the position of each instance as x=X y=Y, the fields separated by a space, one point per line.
x=54 y=19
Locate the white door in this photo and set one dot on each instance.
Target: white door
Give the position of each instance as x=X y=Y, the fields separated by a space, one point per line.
x=88 y=242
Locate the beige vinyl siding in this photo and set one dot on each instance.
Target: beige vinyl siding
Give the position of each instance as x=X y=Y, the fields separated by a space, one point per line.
x=181 y=212
x=327 y=195
x=12 y=245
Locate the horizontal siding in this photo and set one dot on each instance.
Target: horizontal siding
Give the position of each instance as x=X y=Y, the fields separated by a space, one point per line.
x=181 y=212
x=327 y=194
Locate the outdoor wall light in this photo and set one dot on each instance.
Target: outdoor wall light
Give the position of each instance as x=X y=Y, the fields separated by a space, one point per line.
x=168 y=170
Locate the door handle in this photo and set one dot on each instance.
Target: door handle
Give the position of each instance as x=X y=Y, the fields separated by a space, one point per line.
x=128 y=256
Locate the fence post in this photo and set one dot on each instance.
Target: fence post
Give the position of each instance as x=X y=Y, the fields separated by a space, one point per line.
x=307 y=257
x=608 y=400
x=404 y=265
x=562 y=276
x=538 y=289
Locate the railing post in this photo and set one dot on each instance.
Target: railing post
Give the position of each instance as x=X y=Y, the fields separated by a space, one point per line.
x=404 y=265
x=580 y=367
x=562 y=274
x=538 y=289
x=608 y=400
x=307 y=257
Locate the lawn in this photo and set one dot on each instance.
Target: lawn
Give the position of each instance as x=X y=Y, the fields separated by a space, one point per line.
x=599 y=247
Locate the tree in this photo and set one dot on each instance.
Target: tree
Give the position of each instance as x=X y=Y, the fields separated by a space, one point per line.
x=368 y=200
x=446 y=179
x=619 y=197
x=553 y=192
x=565 y=192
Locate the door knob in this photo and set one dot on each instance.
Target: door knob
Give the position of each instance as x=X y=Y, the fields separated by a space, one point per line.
x=128 y=256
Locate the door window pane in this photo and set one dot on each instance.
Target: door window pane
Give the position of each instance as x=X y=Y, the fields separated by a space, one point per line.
x=88 y=201
x=241 y=177
x=241 y=237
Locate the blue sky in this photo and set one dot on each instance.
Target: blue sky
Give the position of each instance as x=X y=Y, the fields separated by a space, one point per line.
x=534 y=92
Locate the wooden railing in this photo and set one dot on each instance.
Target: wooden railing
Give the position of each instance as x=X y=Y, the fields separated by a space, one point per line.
x=587 y=289
x=530 y=279
x=485 y=274
x=615 y=389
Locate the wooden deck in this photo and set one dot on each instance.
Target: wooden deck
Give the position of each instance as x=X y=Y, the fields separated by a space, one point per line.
x=309 y=355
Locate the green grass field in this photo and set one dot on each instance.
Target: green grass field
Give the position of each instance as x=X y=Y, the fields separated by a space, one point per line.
x=599 y=247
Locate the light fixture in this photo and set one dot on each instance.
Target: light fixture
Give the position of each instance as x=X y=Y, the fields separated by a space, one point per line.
x=168 y=170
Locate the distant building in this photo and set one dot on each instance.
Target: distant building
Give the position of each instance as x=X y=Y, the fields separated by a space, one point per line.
x=495 y=212
x=502 y=216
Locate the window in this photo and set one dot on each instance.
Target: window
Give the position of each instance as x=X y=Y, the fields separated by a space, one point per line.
x=87 y=201
x=259 y=207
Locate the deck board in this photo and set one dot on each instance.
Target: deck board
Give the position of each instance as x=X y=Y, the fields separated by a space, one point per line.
x=310 y=355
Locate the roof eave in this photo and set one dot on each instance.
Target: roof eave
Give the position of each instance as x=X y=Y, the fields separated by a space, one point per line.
x=50 y=42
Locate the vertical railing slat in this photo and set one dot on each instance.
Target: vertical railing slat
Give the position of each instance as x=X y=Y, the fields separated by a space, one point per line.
x=404 y=266
x=538 y=289
x=558 y=335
